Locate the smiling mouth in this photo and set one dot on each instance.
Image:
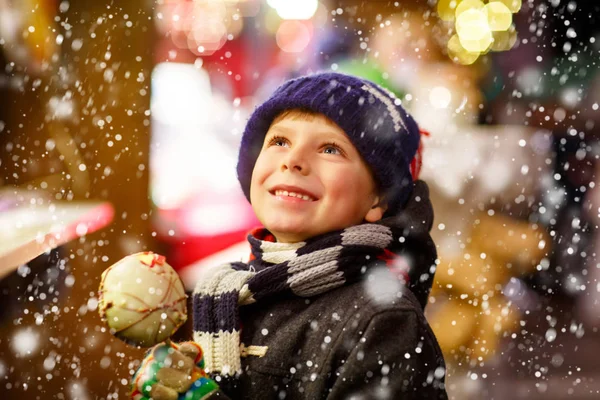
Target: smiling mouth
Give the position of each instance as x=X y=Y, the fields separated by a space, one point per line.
x=285 y=193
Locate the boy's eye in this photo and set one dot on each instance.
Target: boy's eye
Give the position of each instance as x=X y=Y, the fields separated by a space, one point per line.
x=277 y=141
x=332 y=148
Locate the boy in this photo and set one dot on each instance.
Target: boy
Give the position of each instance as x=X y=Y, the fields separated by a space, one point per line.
x=330 y=305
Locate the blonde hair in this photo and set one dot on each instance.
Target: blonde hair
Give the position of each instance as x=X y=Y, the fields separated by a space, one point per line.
x=304 y=114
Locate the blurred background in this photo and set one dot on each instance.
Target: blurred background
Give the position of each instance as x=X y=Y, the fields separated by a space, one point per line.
x=119 y=130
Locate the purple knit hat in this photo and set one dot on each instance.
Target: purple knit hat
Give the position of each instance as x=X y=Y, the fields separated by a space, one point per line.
x=384 y=134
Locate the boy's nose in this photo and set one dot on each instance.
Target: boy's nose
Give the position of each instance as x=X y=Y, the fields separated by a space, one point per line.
x=295 y=161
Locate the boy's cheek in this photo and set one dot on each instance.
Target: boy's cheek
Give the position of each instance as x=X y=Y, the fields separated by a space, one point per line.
x=258 y=189
x=257 y=173
x=258 y=181
x=264 y=163
x=331 y=180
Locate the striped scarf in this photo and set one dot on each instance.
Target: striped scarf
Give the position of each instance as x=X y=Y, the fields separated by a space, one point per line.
x=307 y=269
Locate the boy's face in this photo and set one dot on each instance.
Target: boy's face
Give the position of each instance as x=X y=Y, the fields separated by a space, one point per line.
x=331 y=185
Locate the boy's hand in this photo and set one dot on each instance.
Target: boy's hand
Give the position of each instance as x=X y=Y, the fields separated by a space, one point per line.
x=172 y=372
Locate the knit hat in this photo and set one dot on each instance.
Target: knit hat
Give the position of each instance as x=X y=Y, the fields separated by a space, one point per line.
x=384 y=134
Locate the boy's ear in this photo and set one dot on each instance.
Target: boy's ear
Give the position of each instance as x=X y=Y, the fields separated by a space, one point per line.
x=377 y=210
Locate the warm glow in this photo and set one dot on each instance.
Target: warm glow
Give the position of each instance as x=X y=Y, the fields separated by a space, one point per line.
x=499 y=16
x=513 y=5
x=473 y=30
x=467 y=5
x=288 y=9
x=440 y=97
x=180 y=92
x=200 y=26
x=293 y=36
x=207 y=37
x=504 y=40
x=479 y=27
x=446 y=9
x=272 y=21
x=459 y=54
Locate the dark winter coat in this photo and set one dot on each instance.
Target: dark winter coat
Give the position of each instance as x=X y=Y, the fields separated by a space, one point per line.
x=344 y=344
x=341 y=345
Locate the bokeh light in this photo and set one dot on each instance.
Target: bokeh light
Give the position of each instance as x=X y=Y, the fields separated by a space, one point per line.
x=440 y=97
x=513 y=5
x=203 y=27
x=25 y=342
x=468 y=5
x=459 y=54
x=504 y=40
x=499 y=16
x=294 y=10
x=446 y=9
x=473 y=30
x=293 y=36
x=480 y=27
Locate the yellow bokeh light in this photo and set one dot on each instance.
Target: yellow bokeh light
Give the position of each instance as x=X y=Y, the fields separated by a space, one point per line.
x=504 y=40
x=447 y=8
x=480 y=44
x=473 y=30
x=459 y=54
x=479 y=27
x=471 y=21
x=513 y=5
x=468 y=5
x=272 y=20
x=499 y=16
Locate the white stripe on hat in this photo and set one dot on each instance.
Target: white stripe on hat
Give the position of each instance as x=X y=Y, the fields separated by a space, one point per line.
x=387 y=100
